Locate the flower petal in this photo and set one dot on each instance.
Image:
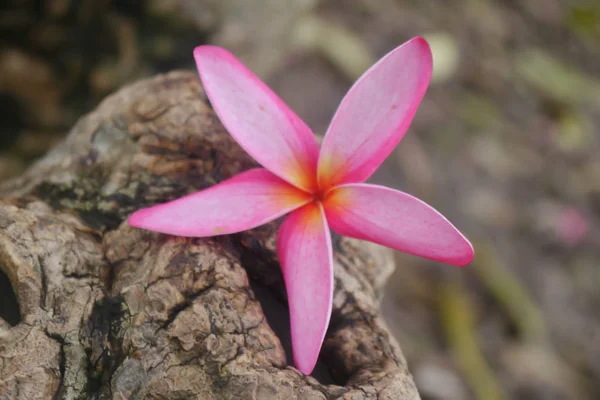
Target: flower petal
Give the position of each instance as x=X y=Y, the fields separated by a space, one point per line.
x=395 y=219
x=305 y=253
x=245 y=201
x=374 y=115
x=257 y=118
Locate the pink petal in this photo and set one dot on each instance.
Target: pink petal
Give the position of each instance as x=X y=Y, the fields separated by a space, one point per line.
x=258 y=120
x=375 y=114
x=395 y=219
x=305 y=253
x=245 y=201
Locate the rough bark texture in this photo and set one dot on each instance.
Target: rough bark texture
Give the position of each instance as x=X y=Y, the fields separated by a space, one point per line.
x=108 y=311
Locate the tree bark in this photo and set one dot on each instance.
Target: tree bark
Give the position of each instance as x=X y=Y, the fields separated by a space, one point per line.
x=108 y=311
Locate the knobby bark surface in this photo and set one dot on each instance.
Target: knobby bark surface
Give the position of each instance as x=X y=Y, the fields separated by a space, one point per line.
x=108 y=311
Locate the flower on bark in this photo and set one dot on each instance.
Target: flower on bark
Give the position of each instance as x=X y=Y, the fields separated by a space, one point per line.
x=319 y=189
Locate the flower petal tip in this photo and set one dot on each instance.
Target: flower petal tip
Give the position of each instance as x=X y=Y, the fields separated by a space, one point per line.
x=206 y=49
x=467 y=255
x=420 y=40
x=426 y=54
x=142 y=219
x=459 y=251
x=136 y=219
x=305 y=364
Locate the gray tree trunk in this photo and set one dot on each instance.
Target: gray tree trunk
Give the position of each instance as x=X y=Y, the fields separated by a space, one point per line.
x=108 y=311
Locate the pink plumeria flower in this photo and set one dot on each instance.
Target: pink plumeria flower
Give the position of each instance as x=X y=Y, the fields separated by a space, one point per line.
x=320 y=189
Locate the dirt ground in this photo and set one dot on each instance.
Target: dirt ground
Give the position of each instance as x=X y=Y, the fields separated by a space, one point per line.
x=506 y=144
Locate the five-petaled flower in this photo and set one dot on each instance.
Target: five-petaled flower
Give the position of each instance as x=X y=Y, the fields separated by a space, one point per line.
x=320 y=189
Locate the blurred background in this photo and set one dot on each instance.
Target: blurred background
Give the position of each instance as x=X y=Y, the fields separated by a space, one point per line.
x=505 y=144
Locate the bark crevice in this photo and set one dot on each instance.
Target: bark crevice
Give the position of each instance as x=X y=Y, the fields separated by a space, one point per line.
x=10 y=315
